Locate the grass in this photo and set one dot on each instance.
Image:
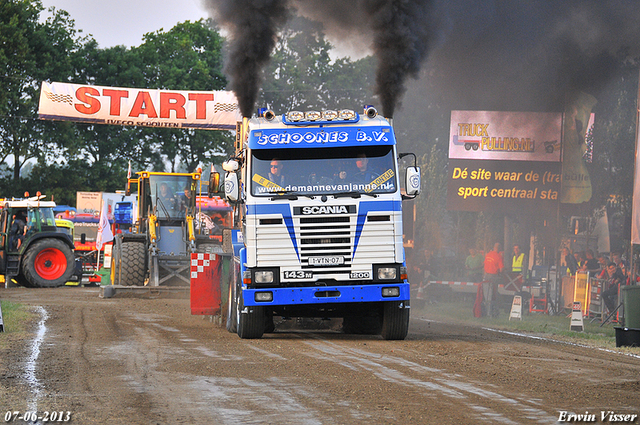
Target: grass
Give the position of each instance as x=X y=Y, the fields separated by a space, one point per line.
x=543 y=325
x=16 y=318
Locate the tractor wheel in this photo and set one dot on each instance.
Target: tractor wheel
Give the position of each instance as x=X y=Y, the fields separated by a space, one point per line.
x=48 y=263
x=133 y=267
x=395 y=320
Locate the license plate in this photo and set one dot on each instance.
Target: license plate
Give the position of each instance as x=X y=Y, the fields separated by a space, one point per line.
x=325 y=261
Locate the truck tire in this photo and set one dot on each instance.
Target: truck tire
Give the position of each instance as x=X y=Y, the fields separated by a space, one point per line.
x=232 y=310
x=133 y=264
x=251 y=320
x=395 y=320
x=48 y=263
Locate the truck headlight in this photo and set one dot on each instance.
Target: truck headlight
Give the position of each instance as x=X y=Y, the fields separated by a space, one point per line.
x=263 y=276
x=387 y=273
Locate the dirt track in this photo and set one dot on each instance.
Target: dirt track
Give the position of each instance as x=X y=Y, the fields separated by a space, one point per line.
x=149 y=361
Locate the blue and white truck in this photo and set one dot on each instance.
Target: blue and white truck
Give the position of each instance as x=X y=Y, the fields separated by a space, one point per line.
x=319 y=211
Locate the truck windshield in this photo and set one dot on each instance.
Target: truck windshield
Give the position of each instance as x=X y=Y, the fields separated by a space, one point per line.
x=171 y=195
x=353 y=170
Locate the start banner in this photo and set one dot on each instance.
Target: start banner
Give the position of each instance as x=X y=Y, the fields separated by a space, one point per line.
x=211 y=110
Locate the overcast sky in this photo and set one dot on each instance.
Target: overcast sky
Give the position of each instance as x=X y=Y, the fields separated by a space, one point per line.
x=116 y=22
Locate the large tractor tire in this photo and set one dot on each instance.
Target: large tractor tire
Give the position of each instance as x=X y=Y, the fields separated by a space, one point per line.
x=48 y=263
x=251 y=320
x=129 y=265
x=395 y=320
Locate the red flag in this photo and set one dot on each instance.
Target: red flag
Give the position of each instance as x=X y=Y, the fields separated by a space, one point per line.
x=129 y=171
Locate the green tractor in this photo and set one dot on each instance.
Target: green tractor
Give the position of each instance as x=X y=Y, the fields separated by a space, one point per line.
x=34 y=252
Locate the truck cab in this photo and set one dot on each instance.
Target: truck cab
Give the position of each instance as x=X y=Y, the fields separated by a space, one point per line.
x=321 y=220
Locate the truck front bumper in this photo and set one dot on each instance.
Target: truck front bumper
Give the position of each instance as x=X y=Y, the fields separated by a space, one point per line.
x=327 y=294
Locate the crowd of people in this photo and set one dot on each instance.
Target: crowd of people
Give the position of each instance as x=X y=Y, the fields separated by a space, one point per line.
x=613 y=271
x=495 y=267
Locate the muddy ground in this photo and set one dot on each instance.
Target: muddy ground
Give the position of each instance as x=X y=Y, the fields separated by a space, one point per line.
x=147 y=360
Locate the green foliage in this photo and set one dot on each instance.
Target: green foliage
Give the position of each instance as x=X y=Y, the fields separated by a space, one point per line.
x=30 y=51
x=432 y=216
x=72 y=157
x=301 y=74
x=16 y=318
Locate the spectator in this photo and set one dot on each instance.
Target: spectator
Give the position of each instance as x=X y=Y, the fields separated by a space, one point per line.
x=603 y=260
x=570 y=261
x=493 y=267
x=613 y=278
x=580 y=259
x=590 y=264
x=620 y=263
x=474 y=265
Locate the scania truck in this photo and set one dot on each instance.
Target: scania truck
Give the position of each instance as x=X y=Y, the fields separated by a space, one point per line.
x=318 y=203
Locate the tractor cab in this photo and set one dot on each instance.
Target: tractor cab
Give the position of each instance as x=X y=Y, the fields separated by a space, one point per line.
x=34 y=252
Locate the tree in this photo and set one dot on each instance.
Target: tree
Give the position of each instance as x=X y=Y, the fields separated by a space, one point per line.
x=301 y=74
x=188 y=57
x=30 y=52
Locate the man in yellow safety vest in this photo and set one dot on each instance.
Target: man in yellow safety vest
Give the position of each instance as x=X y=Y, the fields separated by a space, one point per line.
x=517 y=261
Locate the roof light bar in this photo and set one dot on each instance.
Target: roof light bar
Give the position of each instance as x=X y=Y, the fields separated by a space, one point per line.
x=329 y=116
x=295 y=116
x=312 y=115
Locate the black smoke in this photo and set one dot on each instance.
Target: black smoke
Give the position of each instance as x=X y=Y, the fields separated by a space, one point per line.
x=253 y=26
x=476 y=54
x=399 y=39
x=399 y=33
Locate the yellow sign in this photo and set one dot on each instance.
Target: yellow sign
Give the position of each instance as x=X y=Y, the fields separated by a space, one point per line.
x=262 y=181
x=581 y=291
x=381 y=179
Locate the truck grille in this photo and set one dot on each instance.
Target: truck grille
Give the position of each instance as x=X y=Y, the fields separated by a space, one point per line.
x=325 y=237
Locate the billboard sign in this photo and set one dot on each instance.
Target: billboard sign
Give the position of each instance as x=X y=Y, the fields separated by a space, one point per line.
x=511 y=136
x=505 y=186
x=504 y=161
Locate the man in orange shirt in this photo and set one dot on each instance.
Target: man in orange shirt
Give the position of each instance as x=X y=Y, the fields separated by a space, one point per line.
x=493 y=266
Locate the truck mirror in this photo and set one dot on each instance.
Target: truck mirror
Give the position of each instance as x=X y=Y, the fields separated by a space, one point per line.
x=231 y=189
x=214 y=184
x=412 y=181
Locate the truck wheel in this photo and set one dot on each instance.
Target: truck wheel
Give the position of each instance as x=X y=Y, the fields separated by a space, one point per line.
x=132 y=263
x=232 y=309
x=395 y=320
x=251 y=320
x=48 y=263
